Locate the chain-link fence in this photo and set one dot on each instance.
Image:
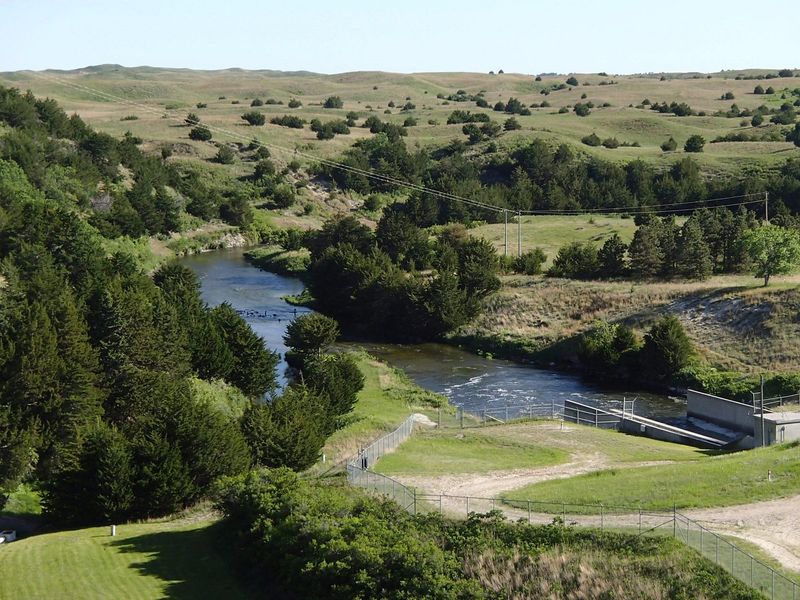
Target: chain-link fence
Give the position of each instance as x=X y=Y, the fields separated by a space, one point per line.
x=722 y=552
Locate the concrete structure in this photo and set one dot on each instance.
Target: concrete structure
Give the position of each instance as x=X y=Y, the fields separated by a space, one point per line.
x=720 y=411
x=779 y=427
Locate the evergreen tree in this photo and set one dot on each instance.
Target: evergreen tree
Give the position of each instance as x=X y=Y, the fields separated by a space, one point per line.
x=337 y=380
x=694 y=257
x=667 y=348
x=645 y=252
x=311 y=334
x=612 y=257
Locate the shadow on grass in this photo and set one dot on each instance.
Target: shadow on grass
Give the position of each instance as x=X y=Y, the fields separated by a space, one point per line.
x=195 y=563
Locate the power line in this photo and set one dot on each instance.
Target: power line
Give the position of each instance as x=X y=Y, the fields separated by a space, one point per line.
x=659 y=209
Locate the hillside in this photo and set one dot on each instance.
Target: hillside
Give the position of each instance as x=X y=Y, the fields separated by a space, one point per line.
x=160 y=97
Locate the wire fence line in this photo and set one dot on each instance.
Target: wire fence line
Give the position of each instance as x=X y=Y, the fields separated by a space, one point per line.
x=633 y=520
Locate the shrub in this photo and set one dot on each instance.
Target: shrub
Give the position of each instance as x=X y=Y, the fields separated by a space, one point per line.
x=667 y=348
x=288 y=121
x=770 y=90
x=191 y=119
x=670 y=145
x=785 y=73
x=224 y=155
x=333 y=102
x=531 y=262
x=591 y=140
x=575 y=260
x=695 y=143
x=294 y=103
x=572 y=81
x=611 y=143
x=727 y=96
x=410 y=122
x=409 y=106
x=201 y=133
x=254 y=118
x=201 y=105
x=757 y=120
x=582 y=110
x=257 y=102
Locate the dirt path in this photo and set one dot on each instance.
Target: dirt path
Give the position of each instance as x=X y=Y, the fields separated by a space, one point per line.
x=773 y=525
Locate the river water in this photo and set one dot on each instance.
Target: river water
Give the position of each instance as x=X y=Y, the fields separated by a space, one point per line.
x=472 y=382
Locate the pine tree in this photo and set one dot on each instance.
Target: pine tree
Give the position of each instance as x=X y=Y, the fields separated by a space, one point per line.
x=612 y=257
x=667 y=348
x=645 y=252
x=694 y=260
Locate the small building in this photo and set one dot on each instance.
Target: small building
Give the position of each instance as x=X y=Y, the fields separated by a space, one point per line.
x=779 y=427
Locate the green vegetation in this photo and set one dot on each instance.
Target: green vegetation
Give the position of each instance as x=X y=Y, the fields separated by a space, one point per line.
x=449 y=452
x=278 y=260
x=717 y=481
x=325 y=540
x=183 y=558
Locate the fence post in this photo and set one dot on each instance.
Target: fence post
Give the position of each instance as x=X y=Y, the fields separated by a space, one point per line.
x=529 y=512
x=674 y=522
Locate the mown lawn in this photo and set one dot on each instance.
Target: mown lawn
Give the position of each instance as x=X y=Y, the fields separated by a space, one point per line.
x=450 y=451
x=144 y=561
x=713 y=481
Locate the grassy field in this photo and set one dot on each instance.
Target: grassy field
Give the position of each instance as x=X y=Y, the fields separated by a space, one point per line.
x=171 y=559
x=387 y=399
x=525 y=445
x=467 y=452
x=160 y=99
x=714 y=481
x=551 y=232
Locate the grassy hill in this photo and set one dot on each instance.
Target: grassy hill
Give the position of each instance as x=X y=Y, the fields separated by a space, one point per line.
x=160 y=99
x=185 y=558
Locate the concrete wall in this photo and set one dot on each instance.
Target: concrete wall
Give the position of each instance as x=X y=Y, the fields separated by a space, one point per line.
x=727 y=413
x=776 y=432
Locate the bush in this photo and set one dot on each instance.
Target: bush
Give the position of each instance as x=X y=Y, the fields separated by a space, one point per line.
x=511 y=124
x=582 y=110
x=695 y=143
x=294 y=103
x=785 y=73
x=572 y=81
x=201 y=134
x=531 y=262
x=191 y=119
x=575 y=260
x=254 y=118
x=591 y=140
x=333 y=102
x=410 y=122
x=257 y=102
x=225 y=155
x=288 y=121
x=757 y=120
x=727 y=96
x=611 y=143
x=670 y=145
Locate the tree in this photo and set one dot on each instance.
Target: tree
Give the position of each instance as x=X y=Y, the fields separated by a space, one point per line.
x=591 y=140
x=645 y=252
x=575 y=260
x=695 y=143
x=254 y=117
x=200 y=134
x=311 y=334
x=758 y=90
x=785 y=73
x=612 y=257
x=191 y=119
x=572 y=81
x=333 y=102
x=257 y=102
x=337 y=380
x=511 y=124
x=774 y=250
x=794 y=135
x=694 y=257
x=294 y=103
x=757 y=119
x=667 y=348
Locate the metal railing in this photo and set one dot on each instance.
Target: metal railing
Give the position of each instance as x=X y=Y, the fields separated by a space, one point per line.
x=739 y=563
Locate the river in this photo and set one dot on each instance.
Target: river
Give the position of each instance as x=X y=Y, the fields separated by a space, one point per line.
x=473 y=382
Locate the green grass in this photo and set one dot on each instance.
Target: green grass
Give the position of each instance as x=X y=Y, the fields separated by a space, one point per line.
x=715 y=481
x=278 y=260
x=450 y=451
x=144 y=561
x=551 y=232
x=387 y=399
x=222 y=396
x=24 y=501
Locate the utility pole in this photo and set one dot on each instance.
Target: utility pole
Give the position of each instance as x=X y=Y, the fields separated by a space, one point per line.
x=505 y=233
x=519 y=233
x=763 y=430
x=766 y=207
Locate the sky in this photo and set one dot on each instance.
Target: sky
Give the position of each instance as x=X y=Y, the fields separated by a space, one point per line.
x=334 y=36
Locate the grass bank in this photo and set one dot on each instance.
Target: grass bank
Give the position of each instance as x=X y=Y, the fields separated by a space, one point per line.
x=168 y=559
x=726 y=480
x=277 y=260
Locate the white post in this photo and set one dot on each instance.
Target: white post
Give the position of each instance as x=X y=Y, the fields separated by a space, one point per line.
x=113 y=530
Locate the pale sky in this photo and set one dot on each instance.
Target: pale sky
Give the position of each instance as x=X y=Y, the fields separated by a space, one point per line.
x=333 y=36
